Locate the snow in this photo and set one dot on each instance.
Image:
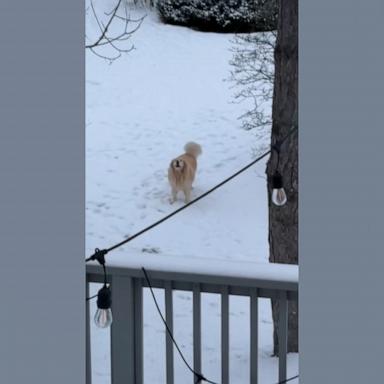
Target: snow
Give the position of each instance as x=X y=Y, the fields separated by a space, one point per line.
x=206 y=266
x=141 y=110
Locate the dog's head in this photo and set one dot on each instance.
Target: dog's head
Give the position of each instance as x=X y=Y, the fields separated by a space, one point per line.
x=178 y=165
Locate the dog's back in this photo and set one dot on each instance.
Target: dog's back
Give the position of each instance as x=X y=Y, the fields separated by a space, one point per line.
x=180 y=179
x=190 y=161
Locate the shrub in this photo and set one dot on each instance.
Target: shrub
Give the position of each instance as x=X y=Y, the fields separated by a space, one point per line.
x=220 y=15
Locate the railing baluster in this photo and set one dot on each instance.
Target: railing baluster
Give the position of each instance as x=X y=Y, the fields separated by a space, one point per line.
x=88 y=373
x=123 y=331
x=139 y=348
x=254 y=319
x=283 y=335
x=224 y=335
x=196 y=328
x=169 y=343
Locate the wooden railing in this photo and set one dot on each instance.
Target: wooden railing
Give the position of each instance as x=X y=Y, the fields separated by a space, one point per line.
x=223 y=277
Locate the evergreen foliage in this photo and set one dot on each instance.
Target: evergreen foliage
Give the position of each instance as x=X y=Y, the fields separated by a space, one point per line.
x=220 y=15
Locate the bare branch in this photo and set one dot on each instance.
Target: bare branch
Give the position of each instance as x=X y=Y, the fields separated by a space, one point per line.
x=252 y=76
x=110 y=59
x=114 y=31
x=104 y=32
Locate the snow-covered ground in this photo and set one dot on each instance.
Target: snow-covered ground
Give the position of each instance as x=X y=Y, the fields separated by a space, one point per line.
x=141 y=110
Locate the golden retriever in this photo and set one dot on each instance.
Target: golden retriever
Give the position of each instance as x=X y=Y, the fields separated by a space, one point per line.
x=181 y=171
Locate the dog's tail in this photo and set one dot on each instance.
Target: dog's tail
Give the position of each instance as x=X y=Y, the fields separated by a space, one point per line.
x=193 y=149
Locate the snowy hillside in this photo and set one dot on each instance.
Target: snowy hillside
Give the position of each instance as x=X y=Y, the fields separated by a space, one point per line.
x=141 y=110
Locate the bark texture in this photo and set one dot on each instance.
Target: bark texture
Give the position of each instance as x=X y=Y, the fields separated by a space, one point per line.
x=283 y=221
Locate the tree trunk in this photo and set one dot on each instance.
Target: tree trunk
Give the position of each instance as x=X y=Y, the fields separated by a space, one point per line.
x=283 y=220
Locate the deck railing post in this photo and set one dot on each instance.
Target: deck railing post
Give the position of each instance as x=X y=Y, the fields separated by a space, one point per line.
x=169 y=342
x=224 y=335
x=283 y=335
x=139 y=345
x=196 y=328
x=123 y=331
x=88 y=372
x=254 y=319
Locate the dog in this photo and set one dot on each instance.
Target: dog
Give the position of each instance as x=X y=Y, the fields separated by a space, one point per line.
x=182 y=170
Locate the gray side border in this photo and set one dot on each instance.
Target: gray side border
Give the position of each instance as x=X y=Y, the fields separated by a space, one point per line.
x=341 y=190
x=42 y=218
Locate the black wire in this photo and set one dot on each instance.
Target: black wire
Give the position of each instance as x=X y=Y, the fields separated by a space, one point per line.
x=188 y=204
x=198 y=375
x=276 y=146
x=105 y=282
x=105 y=274
x=277 y=149
x=286 y=381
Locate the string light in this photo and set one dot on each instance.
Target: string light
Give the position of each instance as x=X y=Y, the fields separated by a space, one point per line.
x=279 y=196
x=103 y=315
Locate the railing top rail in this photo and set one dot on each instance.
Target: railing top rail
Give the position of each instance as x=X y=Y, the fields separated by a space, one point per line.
x=201 y=270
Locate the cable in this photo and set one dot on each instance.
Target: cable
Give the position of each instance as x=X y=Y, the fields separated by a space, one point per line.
x=286 y=381
x=99 y=254
x=179 y=209
x=199 y=376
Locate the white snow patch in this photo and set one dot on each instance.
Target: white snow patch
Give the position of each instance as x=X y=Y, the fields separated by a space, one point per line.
x=207 y=266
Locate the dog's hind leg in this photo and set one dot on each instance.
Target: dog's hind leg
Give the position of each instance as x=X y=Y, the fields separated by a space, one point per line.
x=174 y=196
x=187 y=194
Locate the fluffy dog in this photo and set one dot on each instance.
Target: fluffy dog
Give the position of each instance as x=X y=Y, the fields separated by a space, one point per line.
x=182 y=170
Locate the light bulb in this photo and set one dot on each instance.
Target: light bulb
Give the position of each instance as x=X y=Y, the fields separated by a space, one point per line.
x=279 y=196
x=103 y=316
